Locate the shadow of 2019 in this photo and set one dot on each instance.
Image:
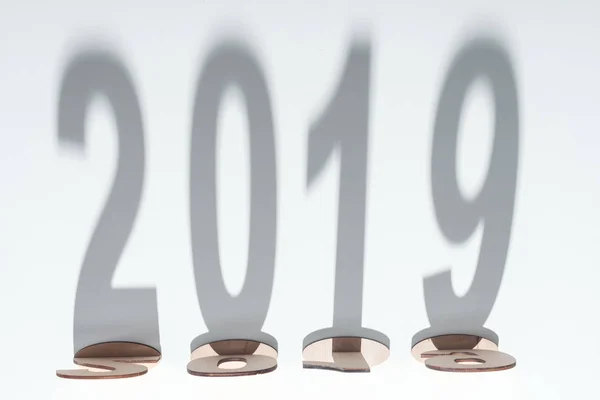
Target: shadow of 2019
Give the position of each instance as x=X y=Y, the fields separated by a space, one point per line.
x=103 y=313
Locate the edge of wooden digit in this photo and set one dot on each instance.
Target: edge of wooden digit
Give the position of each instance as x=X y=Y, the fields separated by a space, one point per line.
x=473 y=353
x=257 y=358
x=108 y=357
x=344 y=354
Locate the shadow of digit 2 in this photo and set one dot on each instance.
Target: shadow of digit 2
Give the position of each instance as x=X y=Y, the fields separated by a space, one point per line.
x=102 y=313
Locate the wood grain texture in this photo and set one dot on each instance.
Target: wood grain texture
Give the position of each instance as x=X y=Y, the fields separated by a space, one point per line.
x=344 y=354
x=115 y=360
x=466 y=360
x=208 y=360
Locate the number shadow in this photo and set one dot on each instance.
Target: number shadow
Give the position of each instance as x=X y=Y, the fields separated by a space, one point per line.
x=344 y=125
x=232 y=62
x=102 y=313
x=458 y=217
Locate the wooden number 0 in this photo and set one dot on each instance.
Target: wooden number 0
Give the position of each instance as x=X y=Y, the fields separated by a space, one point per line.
x=234 y=323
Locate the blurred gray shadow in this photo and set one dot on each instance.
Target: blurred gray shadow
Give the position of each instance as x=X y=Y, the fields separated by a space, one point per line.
x=459 y=217
x=102 y=313
x=344 y=126
x=227 y=317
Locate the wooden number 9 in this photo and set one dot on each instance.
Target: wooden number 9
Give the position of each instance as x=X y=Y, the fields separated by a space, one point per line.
x=468 y=360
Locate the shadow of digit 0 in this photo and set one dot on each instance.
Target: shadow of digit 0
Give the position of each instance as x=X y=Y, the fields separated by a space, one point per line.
x=241 y=317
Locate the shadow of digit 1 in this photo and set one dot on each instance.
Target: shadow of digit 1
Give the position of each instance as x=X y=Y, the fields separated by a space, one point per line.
x=458 y=322
x=344 y=126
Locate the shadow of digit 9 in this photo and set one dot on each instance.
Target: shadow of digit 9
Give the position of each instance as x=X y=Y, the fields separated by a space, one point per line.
x=459 y=217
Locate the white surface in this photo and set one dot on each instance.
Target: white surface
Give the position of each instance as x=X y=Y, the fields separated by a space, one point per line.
x=51 y=198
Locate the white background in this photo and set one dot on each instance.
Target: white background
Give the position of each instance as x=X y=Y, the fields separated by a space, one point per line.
x=51 y=197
